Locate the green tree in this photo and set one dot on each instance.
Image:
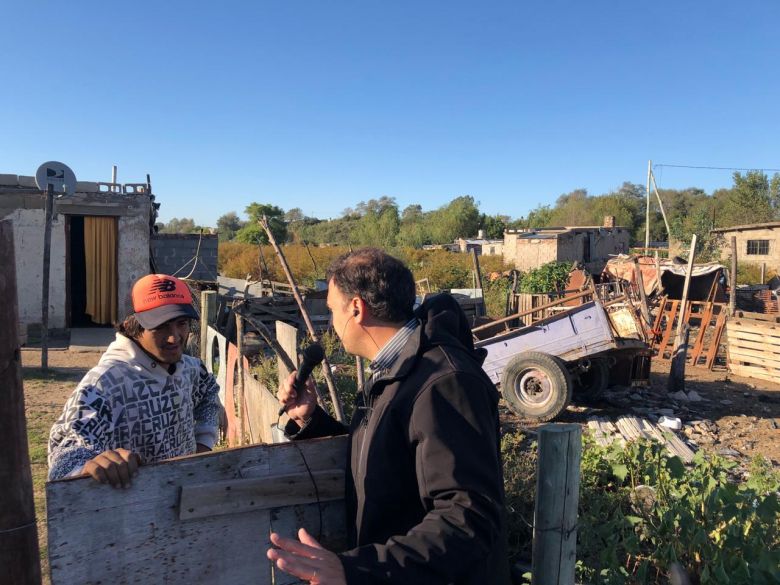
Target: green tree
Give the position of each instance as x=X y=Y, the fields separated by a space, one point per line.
x=253 y=233
x=749 y=201
x=185 y=225
x=493 y=225
x=228 y=225
x=458 y=219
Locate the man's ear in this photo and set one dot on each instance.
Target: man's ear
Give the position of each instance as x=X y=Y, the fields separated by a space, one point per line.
x=358 y=309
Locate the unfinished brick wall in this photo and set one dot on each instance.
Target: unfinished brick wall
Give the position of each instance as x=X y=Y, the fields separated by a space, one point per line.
x=173 y=254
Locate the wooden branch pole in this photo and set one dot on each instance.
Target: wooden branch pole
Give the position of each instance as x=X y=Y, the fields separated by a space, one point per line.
x=240 y=375
x=647 y=204
x=477 y=271
x=661 y=205
x=557 y=498
x=337 y=409
x=677 y=370
x=18 y=532
x=361 y=372
x=208 y=316
x=733 y=278
x=48 y=207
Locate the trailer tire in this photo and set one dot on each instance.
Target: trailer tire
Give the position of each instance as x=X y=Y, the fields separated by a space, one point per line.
x=536 y=385
x=592 y=384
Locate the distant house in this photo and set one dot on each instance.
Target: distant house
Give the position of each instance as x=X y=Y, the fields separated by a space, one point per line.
x=758 y=243
x=592 y=246
x=480 y=244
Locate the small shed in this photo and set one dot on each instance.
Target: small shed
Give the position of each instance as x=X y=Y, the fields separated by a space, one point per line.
x=99 y=247
x=757 y=243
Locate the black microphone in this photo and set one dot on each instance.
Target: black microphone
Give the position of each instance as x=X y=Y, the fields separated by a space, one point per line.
x=312 y=356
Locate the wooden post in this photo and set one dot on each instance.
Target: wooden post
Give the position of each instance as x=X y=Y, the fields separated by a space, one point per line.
x=48 y=205
x=733 y=278
x=18 y=533
x=763 y=272
x=240 y=376
x=676 y=379
x=557 y=497
x=208 y=315
x=640 y=283
x=661 y=205
x=287 y=336
x=337 y=410
x=477 y=271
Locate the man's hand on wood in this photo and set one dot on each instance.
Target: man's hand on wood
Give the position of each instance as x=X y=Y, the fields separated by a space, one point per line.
x=306 y=559
x=115 y=467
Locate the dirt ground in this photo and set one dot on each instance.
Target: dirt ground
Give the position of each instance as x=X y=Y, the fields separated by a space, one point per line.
x=737 y=417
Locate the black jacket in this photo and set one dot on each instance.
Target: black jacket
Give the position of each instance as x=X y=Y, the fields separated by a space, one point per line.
x=425 y=496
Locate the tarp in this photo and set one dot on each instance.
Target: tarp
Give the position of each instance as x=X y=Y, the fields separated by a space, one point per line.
x=671 y=276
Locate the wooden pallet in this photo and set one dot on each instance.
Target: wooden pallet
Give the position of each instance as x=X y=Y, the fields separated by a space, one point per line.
x=754 y=348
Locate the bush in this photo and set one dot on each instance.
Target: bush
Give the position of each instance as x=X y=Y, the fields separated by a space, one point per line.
x=549 y=277
x=442 y=269
x=640 y=511
x=748 y=273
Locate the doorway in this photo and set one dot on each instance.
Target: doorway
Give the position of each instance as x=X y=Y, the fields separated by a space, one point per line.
x=92 y=270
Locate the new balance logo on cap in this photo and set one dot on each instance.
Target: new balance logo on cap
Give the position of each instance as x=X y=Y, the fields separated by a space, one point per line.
x=163 y=285
x=158 y=298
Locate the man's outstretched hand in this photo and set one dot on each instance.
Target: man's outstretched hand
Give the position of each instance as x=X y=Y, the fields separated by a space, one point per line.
x=115 y=467
x=306 y=559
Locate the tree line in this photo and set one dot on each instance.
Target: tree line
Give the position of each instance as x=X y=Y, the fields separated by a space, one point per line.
x=753 y=197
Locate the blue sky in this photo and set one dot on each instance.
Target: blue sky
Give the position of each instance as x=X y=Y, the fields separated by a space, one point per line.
x=320 y=105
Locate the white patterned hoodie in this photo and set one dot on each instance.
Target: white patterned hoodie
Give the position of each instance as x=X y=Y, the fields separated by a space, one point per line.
x=130 y=401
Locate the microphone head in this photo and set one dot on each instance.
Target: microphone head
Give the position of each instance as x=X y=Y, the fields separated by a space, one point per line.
x=314 y=353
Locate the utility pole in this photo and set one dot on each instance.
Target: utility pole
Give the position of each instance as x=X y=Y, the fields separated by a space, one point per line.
x=647 y=206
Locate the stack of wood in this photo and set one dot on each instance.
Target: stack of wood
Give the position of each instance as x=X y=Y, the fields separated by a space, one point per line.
x=630 y=428
x=754 y=346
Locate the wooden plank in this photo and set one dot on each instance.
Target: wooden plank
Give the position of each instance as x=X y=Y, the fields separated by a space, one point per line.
x=749 y=355
x=761 y=347
x=754 y=372
x=761 y=327
x=698 y=344
x=98 y=534
x=712 y=352
x=758 y=316
x=668 y=329
x=756 y=337
x=768 y=364
x=236 y=496
x=262 y=410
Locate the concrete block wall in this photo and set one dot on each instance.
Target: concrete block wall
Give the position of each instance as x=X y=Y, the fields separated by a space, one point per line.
x=772 y=259
x=173 y=251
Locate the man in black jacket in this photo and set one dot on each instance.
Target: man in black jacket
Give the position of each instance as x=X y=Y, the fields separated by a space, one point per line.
x=424 y=490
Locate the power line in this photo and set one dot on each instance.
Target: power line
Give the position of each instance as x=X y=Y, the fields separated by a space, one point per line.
x=714 y=168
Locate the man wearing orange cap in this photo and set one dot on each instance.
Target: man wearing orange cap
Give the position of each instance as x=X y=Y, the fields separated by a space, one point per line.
x=145 y=400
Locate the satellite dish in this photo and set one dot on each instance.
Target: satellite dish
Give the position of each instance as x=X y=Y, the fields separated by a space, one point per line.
x=58 y=175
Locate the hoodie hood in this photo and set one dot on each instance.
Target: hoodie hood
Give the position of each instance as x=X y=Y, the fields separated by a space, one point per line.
x=445 y=324
x=125 y=351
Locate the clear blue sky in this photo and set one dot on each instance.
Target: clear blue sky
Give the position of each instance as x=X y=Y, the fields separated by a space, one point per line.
x=320 y=105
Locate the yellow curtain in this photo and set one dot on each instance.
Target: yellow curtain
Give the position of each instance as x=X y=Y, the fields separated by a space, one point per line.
x=100 y=239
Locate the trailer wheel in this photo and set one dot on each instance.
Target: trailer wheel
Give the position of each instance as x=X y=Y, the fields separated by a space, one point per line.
x=536 y=385
x=591 y=384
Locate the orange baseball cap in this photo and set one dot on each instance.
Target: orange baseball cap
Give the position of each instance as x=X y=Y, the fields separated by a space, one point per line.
x=158 y=298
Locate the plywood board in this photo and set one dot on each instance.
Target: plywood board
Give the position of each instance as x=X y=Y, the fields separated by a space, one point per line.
x=98 y=534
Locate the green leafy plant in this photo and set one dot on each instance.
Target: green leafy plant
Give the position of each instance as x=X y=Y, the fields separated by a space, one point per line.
x=549 y=277
x=641 y=511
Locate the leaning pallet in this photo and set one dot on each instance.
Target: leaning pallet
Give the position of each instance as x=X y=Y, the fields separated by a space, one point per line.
x=754 y=348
